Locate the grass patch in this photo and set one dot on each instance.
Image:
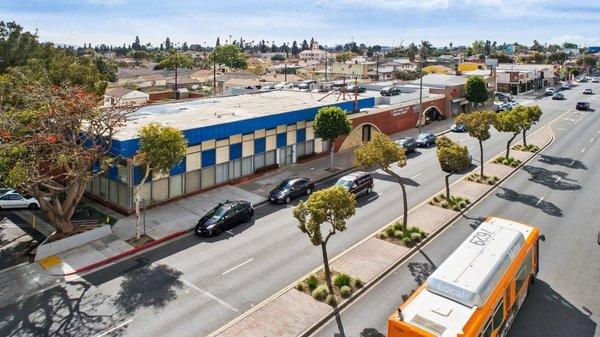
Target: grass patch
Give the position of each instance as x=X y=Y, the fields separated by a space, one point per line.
x=510 y=161
x=455 y=203
x=489 y=180
x=343 y=286
x=528 y=148
x=403 y=235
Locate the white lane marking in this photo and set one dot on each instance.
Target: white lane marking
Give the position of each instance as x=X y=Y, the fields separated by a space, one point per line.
x=207 y=294
x=573 y=162
x=229 y=232
x=557 y=179
x=592 y=140
x=542 y=198
x=236 y=267
x=583 y=150
x=416 y=175
x=115 y=328
x=569 y=119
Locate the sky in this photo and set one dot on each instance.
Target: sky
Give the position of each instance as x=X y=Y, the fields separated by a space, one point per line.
x=330 y=22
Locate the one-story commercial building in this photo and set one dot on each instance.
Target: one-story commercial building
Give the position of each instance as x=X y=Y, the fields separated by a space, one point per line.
x=230 y=138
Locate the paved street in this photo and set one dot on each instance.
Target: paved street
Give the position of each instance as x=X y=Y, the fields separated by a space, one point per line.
x=556 y=191
x=192 y=286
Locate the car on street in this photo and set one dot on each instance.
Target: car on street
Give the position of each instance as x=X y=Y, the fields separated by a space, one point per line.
x=582 y=105
x=595 y=80
x=13 y=199
x=505 y=106
x=425 y=140
x=389 y=91
x=290 y=189
x=358 y=183
x=224 y=216
x=550 y=91
x=408 y=143
x=356 y=88
x=588 y=91
x=558 y=96
x=458 y=127
x=565 y=86
x=303 y=86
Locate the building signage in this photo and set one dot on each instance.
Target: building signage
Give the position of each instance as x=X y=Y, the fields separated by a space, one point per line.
x=400 y=111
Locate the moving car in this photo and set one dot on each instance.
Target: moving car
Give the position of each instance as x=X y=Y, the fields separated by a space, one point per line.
x=595 y=80
x=358 y=183
x=12 y=199
x=550 y=91
x=458 y=127
x=389 y=91
x=408 y=143
x=356 y=88
x=425 y=140
x=505 y=106
x=290 y=189
x=582 y=106
x=224 y=216
x=565 y=86
x=588 y=91
x=558 y=96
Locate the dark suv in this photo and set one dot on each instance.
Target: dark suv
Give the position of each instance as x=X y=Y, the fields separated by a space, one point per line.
x=290 y=189
x=582 y=106
x=389 y=91
x=224 y=216
x=358 y=183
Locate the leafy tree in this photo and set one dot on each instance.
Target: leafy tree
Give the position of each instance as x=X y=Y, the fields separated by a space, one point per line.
x=295 y=50
x=138 y=56
x=475 y=90
x=533 y=115
x=381 y=153
x=425 y=50
x=168 y=44
x=569 y=45
x=330 y=123
x=588 y=62
x=304 y=45
x=278 y=57
x=175 y=61
x=478 y=125
x=47 y=133
x=184 y=46
x=161 y=148
x=407 y=75
x=229 y=55
x=509 y=121
x=16 y=46
x=136 y=44
x=478 y=47
x=344 y=57
x=453 y=158
x=333 y=205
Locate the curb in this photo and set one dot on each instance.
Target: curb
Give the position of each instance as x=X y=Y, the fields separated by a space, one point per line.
x=417 y=247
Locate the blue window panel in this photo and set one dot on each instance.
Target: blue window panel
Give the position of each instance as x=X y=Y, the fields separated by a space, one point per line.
x=113 y=173
x=179 y=168
x=300 y=135
x=281 y=140
x=260 y=145
x=235 y=151
x=96 y=167
x=138 y=174
x=209 y=158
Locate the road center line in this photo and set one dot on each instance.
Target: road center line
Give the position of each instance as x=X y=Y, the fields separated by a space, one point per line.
x=592 y=140
x=236 y=267
x=573 y=162
x=537 y=203
x=557 y=179
x=583 y=150
x=416 y=175
x=207 y=294
x=115 y=328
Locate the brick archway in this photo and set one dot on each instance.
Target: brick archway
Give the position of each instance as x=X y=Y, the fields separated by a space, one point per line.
x=355 y=138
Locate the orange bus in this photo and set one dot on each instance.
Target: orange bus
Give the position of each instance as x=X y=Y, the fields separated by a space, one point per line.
x=478 y=290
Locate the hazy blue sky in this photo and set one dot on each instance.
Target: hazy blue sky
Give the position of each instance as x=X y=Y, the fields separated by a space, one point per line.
x=385 y=22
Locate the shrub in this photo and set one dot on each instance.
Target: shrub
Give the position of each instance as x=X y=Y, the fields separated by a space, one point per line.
x=341 y=280
x=414 y=229
x=436 y=199
x=462 y=204
x=331 y=300
x=345 y=291
x=320 y=293
x=390 y=231
x=301 y=286
x=407 y=240
x=398 y=234
x=456 y=208
x=358 y=283
x=445 y=205
x=312 y=282
x=383 y=235
x=514 y=164
x=415 y=237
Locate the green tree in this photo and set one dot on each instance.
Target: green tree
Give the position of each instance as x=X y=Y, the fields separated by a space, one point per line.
x=334 y=206
x=344 y=57
x=16 y=45
x=533 y=115
x=381 y=152
x=453 y=158
x=509 y=121
x=138 y=56
x=161 y=148
x=229 y=55
x=425 y=50
x=478 y=125
x=411 y=52
x=176 y=60
x=475 y=90
x=330 y=123
x=46 y=132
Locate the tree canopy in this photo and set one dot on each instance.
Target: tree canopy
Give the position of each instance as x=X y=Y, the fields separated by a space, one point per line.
x=344 y=56
x=478 y=125
x=176 y=60
x=510 y=121
x=475 y=90
x=453 y=158
x=330 y=123
x=229 y=55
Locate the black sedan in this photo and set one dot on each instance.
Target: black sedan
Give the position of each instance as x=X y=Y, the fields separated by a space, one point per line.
x=290 y=189
x=425 y=140
x=582 y=106
x=408 y=143
x=458 y=127
x=224 y=216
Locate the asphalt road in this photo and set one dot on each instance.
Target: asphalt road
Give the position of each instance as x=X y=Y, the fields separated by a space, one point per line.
x=556 y=191
x=192 y=286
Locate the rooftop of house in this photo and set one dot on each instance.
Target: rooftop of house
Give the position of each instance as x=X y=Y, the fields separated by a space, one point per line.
x=192 y=114
x=117 y=91
x=441 y=80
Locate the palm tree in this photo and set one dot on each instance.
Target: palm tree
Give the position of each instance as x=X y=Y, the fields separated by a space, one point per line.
x=425 y=50
x=411 y=52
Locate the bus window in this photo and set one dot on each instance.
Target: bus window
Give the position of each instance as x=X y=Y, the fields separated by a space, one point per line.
x=488 y=329
x=498 y=315
x=523 y=273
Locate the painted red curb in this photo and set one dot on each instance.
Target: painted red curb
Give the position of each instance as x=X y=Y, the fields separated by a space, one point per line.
x=124 y=254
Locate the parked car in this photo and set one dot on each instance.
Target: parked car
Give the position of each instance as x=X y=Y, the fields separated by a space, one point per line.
x=425 y=140
x=408 y=143
x=582 y=105
x=588 y=91
x=358 y=183
x=595 y=80
x=505 y=106
x=290 y=189
x=558 y=96
x=389 y=91
x=550 y=91
x=458 y=127
x=565 y=86
x=12 y=199
x=356 y=88
x=224 y=216
x=303 y=86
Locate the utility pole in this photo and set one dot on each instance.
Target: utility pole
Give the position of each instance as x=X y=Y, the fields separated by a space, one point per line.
x=377 y=69
x=215 y=72
x=420 y=95
x=326 y=61
x=285 y=72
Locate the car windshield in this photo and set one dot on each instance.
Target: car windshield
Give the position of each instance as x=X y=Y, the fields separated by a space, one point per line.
x=217 y=212
x=347 y=184
x=423 y=136
x=284 y=185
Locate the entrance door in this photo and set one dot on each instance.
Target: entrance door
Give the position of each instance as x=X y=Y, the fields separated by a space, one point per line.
x=366 y=133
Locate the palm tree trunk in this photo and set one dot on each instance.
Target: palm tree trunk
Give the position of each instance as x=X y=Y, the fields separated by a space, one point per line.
x=138 y=188
x=447 y=186
x=481 y=158
x=405 y=202
x=326 y=265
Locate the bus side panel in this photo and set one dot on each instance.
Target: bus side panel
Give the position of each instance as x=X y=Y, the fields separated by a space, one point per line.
x=401 y=329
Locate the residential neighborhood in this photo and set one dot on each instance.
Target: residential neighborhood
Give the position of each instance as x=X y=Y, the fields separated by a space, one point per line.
x=288 y=172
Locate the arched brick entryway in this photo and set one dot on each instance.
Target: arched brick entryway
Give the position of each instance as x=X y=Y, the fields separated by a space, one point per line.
x=362 y=133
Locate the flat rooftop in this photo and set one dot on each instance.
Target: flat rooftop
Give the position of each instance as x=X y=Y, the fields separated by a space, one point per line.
x=192 y=114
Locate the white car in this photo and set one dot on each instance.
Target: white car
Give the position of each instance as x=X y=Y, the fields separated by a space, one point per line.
x=566 y=85
x=13 y=199
x=284 y=85
x=550 y=91
x=595 y=79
